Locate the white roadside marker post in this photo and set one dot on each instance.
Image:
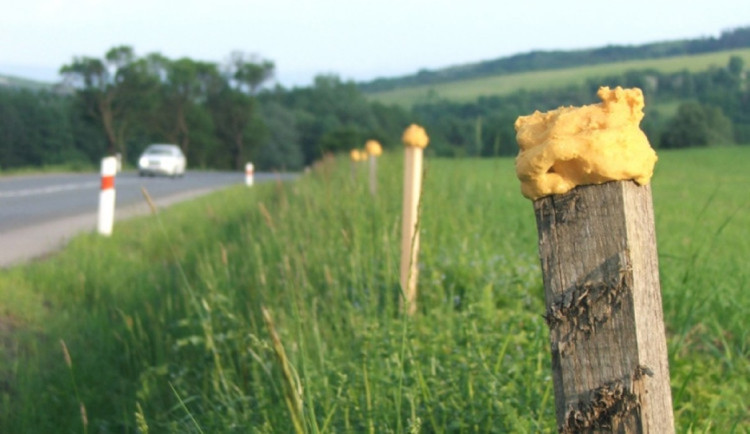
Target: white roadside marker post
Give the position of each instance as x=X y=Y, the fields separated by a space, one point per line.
x=249 y=174
x=415 y=140
x=107 y=196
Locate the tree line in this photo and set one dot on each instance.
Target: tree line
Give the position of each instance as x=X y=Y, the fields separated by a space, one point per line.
x=220 y=115
x=543 y=60
x=225 y=115
x=683 y=109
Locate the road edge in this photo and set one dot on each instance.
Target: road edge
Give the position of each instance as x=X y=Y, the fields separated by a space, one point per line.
x=38 y=241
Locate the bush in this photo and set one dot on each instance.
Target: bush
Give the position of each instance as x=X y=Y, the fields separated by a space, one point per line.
x=697 y=125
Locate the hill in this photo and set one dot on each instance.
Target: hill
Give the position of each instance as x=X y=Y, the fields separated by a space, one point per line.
x=546 y=60
x=501 y=84
x=10 y=81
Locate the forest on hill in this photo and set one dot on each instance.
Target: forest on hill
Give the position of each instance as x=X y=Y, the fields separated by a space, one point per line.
x=683 y=109
x=225 y=115
x=544 y=60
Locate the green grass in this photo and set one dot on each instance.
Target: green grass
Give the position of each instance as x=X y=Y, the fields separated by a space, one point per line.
x=470 y=90
x=50 y=168
x=274 y=309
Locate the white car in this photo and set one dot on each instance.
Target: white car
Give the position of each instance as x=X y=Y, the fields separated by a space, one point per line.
x=162 y=159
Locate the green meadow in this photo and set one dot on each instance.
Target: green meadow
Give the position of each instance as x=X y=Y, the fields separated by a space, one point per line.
x=470 y=90
x=274 y=309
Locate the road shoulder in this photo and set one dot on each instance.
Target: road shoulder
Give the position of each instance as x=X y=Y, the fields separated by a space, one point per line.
x=39 y=240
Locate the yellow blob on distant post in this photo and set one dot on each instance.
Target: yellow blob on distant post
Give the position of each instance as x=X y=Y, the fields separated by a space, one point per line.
x=374 y=150
x=415 y=140
x=356 y=155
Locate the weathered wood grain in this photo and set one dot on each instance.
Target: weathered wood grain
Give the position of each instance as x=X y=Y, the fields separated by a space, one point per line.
x=597 y=246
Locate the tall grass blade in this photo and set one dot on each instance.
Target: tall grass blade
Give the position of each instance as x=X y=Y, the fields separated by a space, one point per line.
x=292 y=388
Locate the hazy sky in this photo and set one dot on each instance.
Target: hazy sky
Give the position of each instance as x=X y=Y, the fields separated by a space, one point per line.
x=355 y=39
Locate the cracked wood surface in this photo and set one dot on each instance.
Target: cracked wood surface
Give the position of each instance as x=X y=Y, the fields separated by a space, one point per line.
x=597 y=247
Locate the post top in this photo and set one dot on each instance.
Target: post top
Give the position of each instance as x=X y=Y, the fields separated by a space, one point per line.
x=573 y=146
x=415 y=136
x=373 y=148
x=357 y=155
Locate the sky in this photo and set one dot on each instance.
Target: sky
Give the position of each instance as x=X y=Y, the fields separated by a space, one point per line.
x=354 y=39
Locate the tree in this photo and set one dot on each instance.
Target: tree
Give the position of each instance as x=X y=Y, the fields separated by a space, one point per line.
x=335 y=116
x=232 y=113
x=113 y=91
x=249 y=72
x=188 y=84
x=95 y=91
x=280 y=146
x=697 y=125
x=233 y=107
x=736 y=65
x=37 y=128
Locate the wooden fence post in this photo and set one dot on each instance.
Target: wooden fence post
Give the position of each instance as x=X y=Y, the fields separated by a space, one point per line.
x=415 y=140
x=597 y=246
x=374 y=150
x=355 y=155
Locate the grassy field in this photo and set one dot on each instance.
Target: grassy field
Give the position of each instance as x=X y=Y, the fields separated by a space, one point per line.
x=56 y=168
x=274 y=309
x=469 y=90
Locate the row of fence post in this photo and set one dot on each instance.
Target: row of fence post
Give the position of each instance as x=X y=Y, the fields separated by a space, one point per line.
x=603 y=298
x=599 y=261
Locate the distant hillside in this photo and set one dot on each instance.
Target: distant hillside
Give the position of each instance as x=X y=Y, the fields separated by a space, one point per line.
x=470 y=89
x=9 y=81
x=545 y=60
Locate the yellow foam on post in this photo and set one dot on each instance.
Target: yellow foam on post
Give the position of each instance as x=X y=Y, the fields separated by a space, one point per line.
x=356 y=155
x=373 y=148
x=573 y=146
x=415 y=136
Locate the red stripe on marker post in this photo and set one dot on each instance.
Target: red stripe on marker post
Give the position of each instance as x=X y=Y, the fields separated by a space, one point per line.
x=108 y=182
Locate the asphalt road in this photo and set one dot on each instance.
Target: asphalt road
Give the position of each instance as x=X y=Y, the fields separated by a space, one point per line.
x=39 y=213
